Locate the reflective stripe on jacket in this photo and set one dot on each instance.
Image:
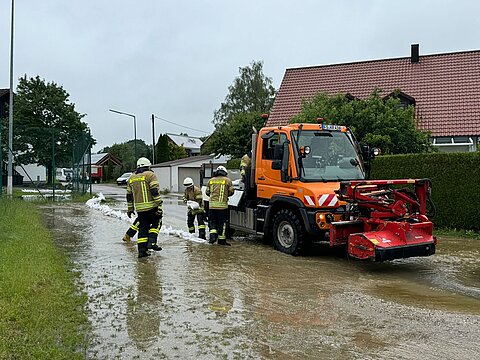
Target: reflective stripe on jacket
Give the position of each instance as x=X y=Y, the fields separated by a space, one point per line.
x=144 y=187
x=194 y=194
x=219 y=188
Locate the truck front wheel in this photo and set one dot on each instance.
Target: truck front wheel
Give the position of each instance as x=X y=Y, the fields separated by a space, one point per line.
x=288 y=233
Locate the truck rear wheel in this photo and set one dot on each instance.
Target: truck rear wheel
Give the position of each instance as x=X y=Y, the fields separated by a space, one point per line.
x=288 y=233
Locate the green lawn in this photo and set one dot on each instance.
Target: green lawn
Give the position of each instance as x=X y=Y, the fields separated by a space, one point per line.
x=42 y=311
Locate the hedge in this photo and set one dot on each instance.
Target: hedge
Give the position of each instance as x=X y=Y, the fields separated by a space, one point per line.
x=455 y=183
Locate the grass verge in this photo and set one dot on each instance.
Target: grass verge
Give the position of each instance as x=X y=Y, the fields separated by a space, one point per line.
x=42 y=313
x=469 y=234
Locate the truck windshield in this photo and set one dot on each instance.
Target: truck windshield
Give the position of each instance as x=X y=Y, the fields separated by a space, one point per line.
x=332 y=157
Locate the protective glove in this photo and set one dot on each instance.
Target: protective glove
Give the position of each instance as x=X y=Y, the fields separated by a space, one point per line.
x=185 y=200
x=129 y=213
x=159 y=212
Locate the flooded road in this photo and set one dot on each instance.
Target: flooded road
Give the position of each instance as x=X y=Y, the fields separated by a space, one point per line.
x=195 y=300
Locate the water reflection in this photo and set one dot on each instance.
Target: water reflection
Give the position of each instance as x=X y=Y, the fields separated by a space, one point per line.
x=144 y=307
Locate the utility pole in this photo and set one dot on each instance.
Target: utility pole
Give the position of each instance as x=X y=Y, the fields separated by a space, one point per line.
x=153 y=139
x=10 y=115
x=53 y=164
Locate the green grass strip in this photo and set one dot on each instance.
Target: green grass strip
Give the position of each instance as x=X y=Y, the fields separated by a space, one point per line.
x=42 y=312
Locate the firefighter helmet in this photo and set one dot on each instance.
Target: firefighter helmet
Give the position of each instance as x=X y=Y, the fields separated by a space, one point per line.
x=188 y=182
x=143 y=162
x=221 y=171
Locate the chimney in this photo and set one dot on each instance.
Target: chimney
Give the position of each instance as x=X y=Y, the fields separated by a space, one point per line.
x=415 y=58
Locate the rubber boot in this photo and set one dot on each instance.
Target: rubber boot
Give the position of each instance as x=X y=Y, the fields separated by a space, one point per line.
x=213 y=238
x=201 y=234
x=152 y=245
x=223 y=242
x=142 y=250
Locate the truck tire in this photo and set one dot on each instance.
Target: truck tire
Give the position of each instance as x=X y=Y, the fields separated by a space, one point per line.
x=288 y=232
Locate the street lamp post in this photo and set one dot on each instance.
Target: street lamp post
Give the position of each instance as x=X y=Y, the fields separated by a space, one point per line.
x=134 y=127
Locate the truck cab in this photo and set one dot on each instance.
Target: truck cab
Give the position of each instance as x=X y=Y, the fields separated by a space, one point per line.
x=290 y=192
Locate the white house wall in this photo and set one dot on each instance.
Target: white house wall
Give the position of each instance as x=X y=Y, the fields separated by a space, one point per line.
x=163 y=176
x=36 y=172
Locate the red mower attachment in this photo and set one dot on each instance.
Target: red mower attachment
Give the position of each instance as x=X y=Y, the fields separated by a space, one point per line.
x=385 y=222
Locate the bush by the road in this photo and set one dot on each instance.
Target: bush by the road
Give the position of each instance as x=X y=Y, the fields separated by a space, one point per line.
x=455 y=183
x=42 y=313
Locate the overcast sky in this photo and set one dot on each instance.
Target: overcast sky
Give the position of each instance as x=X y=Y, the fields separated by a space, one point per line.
x=176 y=58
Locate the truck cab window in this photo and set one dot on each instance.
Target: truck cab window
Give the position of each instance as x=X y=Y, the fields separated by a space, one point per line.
x=268 y=147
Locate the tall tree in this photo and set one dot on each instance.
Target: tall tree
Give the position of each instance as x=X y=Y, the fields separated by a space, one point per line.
x=45 y=123
x=235 y=137
x=125 y=152
x=251 y=91
x=376 y=121
x=166 y=150
x=250 y=95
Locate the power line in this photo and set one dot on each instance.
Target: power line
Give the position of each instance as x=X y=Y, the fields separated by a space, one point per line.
x=183 y=126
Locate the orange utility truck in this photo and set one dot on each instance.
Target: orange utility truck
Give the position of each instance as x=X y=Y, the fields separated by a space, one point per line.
x=308 y=184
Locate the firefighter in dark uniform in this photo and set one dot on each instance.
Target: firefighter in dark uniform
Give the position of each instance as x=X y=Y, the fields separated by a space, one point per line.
x=219 y=188
x=193 y=193
x=143 y=196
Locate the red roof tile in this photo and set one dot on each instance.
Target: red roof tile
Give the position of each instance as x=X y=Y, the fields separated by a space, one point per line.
x=446 y=88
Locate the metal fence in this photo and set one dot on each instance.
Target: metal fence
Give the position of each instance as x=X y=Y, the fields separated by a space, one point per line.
x=81 y=164
x=79 y=177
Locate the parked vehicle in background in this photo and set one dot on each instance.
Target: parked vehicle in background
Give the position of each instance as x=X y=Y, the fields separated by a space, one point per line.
x=122 y=180
x=64 y=174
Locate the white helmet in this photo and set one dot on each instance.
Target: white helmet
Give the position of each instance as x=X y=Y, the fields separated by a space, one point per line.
x=143 y=162
x=221 y=168
x=188 y=182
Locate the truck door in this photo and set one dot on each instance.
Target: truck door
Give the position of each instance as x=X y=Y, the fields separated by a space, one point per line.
x=269 y=180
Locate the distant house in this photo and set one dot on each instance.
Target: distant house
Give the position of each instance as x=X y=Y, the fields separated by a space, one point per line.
x=100 y=166
x=191 y=144
x=444 y=88
x=171 y=174
x=32 y=173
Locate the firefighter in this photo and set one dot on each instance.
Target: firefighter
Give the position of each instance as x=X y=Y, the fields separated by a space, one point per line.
x=219 y=188
x=194 y=194
x=245 y=165
x=143 y=197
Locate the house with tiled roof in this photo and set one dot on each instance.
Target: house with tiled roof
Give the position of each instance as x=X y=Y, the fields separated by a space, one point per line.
x=191 y=144
x=444 y=88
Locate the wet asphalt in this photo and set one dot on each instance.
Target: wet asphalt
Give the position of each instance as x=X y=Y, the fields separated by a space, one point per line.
x=249 y=301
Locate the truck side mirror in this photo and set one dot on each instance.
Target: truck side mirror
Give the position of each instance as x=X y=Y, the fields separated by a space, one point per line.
x=285 y=161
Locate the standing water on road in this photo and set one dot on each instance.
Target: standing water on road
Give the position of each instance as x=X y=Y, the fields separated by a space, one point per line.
x=196 y=300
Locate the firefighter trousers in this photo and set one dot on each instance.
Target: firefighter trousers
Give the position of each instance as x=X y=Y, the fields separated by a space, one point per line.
x=133 y=229
x=200 y=221
x=217 y=225
x=148 y=228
